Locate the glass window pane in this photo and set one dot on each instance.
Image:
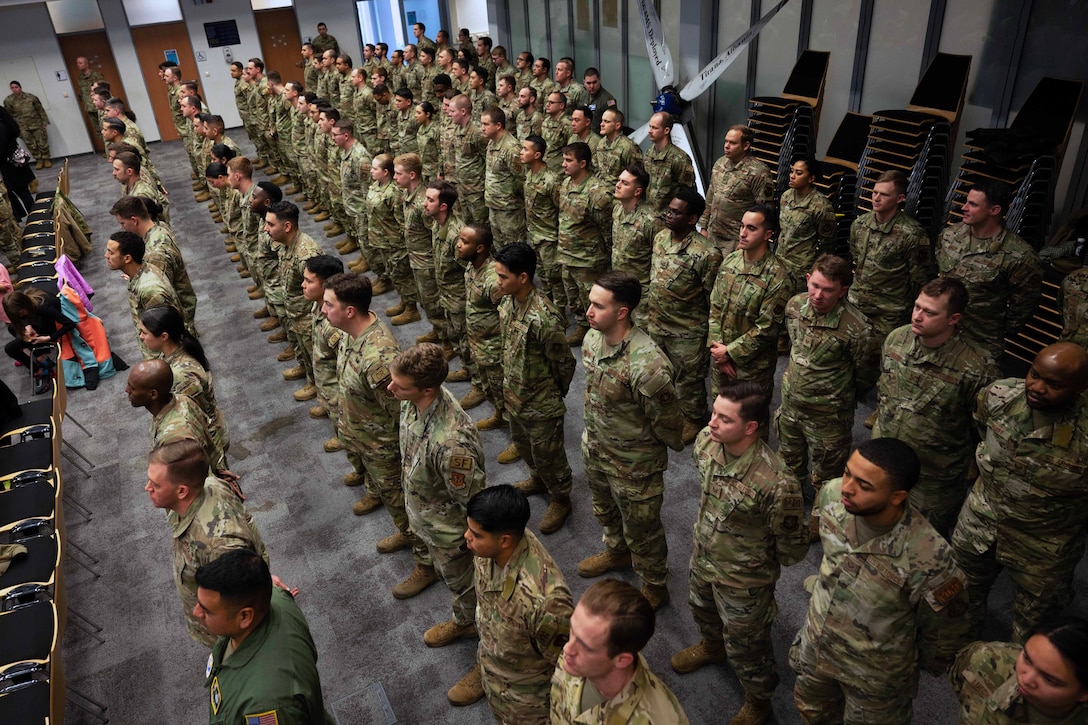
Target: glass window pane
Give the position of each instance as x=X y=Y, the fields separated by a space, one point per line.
x=74 y=16
x=896 y=38
x=519 y=40
x=151 y=12
x=641 y=88
x=835 y=29
x=730 y=90
x=271 y=4
x=585 y=51
x=560 y=29
x=538 y=28
x=777 y=49
x=611 y=50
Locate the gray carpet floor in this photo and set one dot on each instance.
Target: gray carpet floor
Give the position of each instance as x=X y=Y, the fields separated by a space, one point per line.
x=374 y=666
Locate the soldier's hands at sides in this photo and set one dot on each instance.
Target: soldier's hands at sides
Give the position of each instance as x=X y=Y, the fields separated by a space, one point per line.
x=276 y=581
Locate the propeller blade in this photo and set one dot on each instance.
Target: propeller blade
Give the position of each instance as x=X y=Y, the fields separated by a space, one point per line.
x=656 y=46
x=716 y=67
x=641 y=133
x=683 y=142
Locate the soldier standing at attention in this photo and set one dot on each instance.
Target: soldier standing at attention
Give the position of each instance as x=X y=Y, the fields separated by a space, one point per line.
x=86 y=79
x=585 y=232
x=1027 y=510
x=807 y=220
x=506 y=98
x=634 y=225
x=631 y=419
x=600 y=100
x=615 y=152
x=892 y=261
x=482 y=327
x=28 y=112
x=602 y=676
x=439 y=201
x=737 y=181
x=326 y=343
x=544 y=86
x=888 y=598
x=669 y=167
x=931 y=372
x=749 y=525
x=354 y=178
x=419 y=31
x=147 y=286
x=504 y=180
x=407 y=170
x=537 y=369
x=678 y=307
x=524 y=70
x=469 y=151
x=555 y=129
x=582 y=128
x=323 y=42
x=443 y=469
x=748 y=304
x=522 y=613
x=529 y=119
x=206 y=518
x=829 y=342
x=542 y=217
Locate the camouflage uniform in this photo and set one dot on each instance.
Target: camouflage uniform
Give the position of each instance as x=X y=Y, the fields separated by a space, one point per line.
x=523 y=616
x=879 y=609
x=1003 y=281
x=542 y=230
x=749 y=525
x=733 y=188
x=537 y=369
x=384 y=233
x=368 y=423
x=808 y=230
x=925 y=398
x=183 y=419
x=324 y=42
x=984 y=679
x=816 y=417
x=86 y=81
x=528 y=124
x=633 y=242
x=355 y=185
x=483 y=331
x=747 y=315
x=891 y=263
x=631 y=418
x=482 y=100
x=163 y=252
x=450 y=278
x=469 y=148
x=645 y=700
x=1027 y=510
x=585 y=239
x=28 y=112
x=428 y=140
x=1073 y=302
x=555 y=132
x=677 y=311
x=510 y=107
x=215 y=522
x=365 y=115
x=591 y=139
x=419 y=244
x=325 y=351
x=504 y=190
x=543 y=87
x=192 y=380
x=443 y=469
x=298 y=323
x=10 y=233
x=670 y=171
x=612 y=157
x=404 y=135
x=523 y=78
x=576 y=95
x=147 y=288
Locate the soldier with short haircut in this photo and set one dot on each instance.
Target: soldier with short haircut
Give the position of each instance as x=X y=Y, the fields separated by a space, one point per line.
x=571 y=89
x=749 y=526
x=529 y=120
x=600 y=100
x=602 y=662
x=354 y=176
x=482 y=327
x=888 y=600
x=929 y=382
x=541 y=192
x=439 y=202
x=147 y=286
x=469 y=159
x=522 y=614
x=504 y=180
x=615 y=152
x=669 y=167
x=634 y=226
x=581 y=127
x=384 y=208
x=28 y=112
x=829 y=340
x=555 y=129
x=737 y=181
x=326 y=342
x=1027 y=510
x=631 y=420
x=807 y=220
x=407 y=173
x=541 y=82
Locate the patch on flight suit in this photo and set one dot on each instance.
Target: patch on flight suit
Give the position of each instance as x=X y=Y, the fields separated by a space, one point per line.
x=208 y=670
x=216 y=696
x=264 y=718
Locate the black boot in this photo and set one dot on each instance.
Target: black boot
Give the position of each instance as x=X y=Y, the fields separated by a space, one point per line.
x=90 y=378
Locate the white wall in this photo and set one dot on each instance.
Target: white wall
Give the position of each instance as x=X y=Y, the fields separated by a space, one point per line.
x=128 y=66
x=340 y=16
x=31 y=41
x=471 y=14
x=214 y=70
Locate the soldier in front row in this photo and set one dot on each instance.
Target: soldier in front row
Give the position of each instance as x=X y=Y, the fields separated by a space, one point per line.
x=888 y=599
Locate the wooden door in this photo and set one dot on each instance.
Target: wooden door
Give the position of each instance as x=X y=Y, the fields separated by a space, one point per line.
x=152 y=42
x=95 y=47
x=280 y=42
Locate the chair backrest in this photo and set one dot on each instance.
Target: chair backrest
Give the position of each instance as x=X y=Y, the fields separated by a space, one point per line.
x=36 y=498
x=24 y=694
x=33 y=455
x=39 y=565
x=28 y=632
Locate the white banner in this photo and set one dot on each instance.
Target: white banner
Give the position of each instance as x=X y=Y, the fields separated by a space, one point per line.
x=656 y=46
x=716 y=67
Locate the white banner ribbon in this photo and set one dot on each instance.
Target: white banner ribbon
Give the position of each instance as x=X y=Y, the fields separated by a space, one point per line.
x=656 y=45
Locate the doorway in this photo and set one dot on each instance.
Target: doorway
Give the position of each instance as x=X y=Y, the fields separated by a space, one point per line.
x=280 y=42
x=152 y=43
x=95 y=47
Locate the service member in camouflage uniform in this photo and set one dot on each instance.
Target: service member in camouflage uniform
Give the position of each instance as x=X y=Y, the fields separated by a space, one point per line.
x=323 y=42
x=529 y=119
x=571 y=89
x=631 y=420
x=388 y=257
x=555 y=129
x=597 y=667
x=86 y=78
x=504 y=180
x=468 y=156
x=482 y=327
x=541 y=81
x=507 y=99
x=443 y=469
x=28 y=112
x=173 y=417
x=581 y=128
x=585 y=232
x=737 y=181
x=1073 y=303
x=1028 y=508
x=682 y=275
x=829 y=342
x=892 y=260
x=1044 y=681
x=354 y=178
x=888 y=599
x=147 y=286
x=537 y=369
x=807 y=220
x=999 y=269
x=482 y=98
x=206 y=518
x=326 y=342
x=929 y=382
x=748 y=304
x=542 y=217
x=615 y=152
x=634 y=226
x=439 y=202
x=522 y=612
x=669 y=167
x=749 y=526
x=407 y=127
x=419 y=244
x=600 y=100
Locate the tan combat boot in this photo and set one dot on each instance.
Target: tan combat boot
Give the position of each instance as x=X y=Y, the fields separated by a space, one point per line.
x=295 y=373
x=510 y=455
x=473 y=398
x=351 y=245
x=421 y=577
x=270 y=324
x=366 y=504
x=556 y=515
x=469 y=690
x=531 y=486
x=431 y=336
x=358 y=479
x=495 y=421
x=394 y=542
x=409 y=315
x=287 y=354
x=448 y=632
x=261 y=313
x=333 y=445
x=319 y=411
x=394 y=310
x=753 y=712
x=277 y=337
x=699 y=655
x=309 y=392
x=656 y=594
x=380 y=286
x=601 y=564
x=360 y=265
x=448 y=350
x=458 y=376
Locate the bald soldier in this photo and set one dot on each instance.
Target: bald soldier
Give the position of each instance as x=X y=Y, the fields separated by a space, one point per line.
x=1027 y=510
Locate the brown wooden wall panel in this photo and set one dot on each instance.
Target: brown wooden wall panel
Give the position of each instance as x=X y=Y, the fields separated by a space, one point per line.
x=151 y=42
x=280 y=42
x=95 y=47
